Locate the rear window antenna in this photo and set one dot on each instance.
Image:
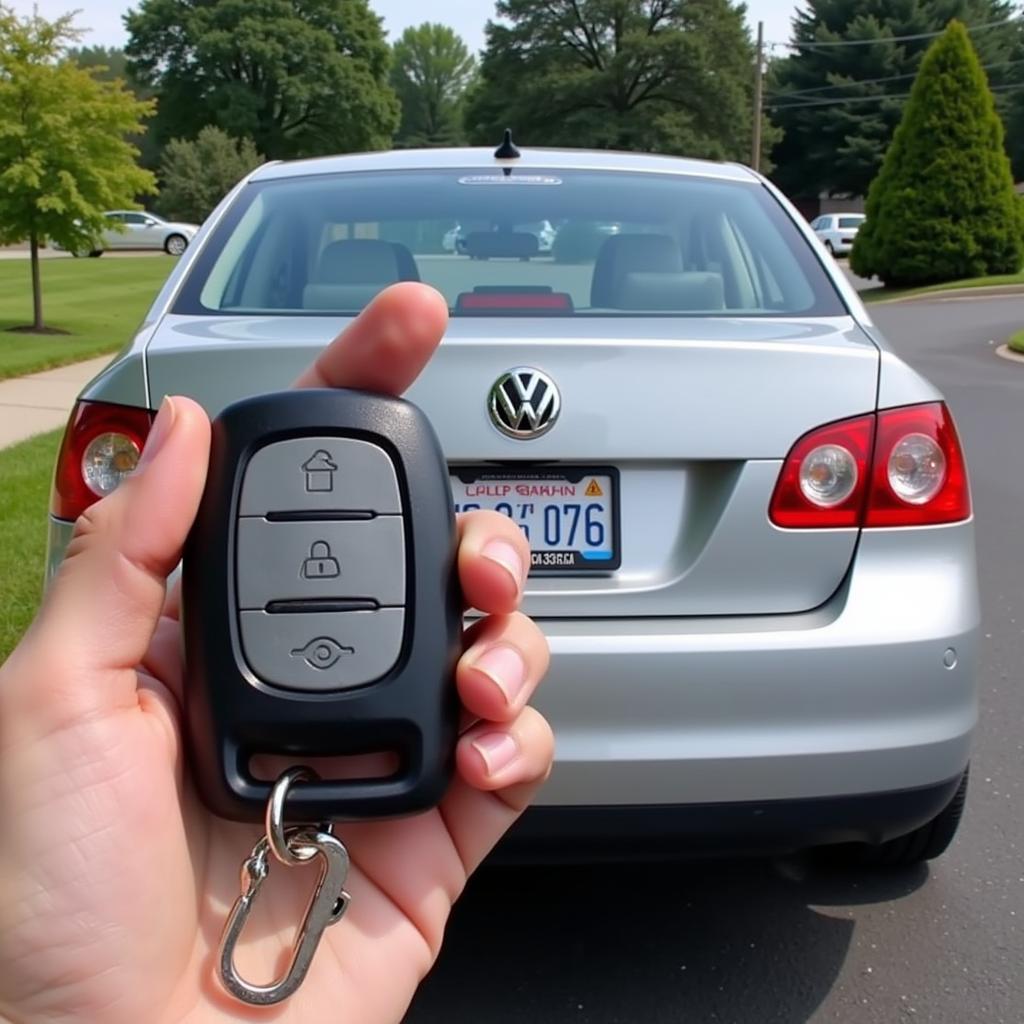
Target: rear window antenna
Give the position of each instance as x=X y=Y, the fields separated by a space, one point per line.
x=507 y=150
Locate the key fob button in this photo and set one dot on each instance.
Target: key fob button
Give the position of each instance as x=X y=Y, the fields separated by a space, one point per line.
x=320 y=474
x=280 y=562
x=322 y=651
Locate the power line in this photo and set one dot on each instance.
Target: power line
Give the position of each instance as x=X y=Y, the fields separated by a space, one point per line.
x=870 y=99
x=813 y=44
x=873 y=81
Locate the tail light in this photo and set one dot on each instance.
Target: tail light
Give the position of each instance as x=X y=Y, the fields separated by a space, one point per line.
x=101 y=446
x=899 y=467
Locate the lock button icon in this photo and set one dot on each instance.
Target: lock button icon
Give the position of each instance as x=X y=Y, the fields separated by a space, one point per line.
x=321 y=564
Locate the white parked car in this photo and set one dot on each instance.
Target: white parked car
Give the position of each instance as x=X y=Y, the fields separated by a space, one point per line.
x=137 y=229
x=838 y=230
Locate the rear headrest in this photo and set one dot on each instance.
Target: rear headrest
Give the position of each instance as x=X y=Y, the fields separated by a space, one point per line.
x=365 y=261
x=683 y=292
x=625 y=254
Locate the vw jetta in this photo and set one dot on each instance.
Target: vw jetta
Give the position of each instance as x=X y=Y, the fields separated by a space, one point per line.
x=750 y=520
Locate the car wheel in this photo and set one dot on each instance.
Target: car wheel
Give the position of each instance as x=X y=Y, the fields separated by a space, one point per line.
x=830 y=247
x=929 y=841
x=175 y=245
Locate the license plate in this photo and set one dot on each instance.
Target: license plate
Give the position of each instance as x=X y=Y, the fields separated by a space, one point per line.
x=568 y=513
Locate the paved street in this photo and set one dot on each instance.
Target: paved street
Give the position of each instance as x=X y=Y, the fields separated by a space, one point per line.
x=790 y=942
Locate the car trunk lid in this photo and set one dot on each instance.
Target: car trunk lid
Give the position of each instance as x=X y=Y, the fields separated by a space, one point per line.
x=696 y=415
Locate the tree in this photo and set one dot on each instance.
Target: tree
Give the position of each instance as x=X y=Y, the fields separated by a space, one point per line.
x=430 y=71
x=670 y=76
x=943 y=206
x=827 y=99
x=109 y=62
x=64 y=155
x=196 y=174
x=299 y=77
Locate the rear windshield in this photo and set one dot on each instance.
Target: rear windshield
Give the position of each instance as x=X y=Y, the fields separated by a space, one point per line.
x=572 y=243
x=851 y=222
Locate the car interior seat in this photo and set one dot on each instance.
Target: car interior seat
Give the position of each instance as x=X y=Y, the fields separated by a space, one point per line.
x=645 y=273
x=352 y=271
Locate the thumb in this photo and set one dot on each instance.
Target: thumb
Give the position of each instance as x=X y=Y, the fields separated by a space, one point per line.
x=97 y=620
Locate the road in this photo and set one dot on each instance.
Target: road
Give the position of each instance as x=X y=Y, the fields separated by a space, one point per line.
x=794 y=941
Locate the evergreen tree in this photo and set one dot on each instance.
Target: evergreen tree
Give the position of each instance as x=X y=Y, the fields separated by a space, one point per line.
x=430 y=71
x=943 y=206
x=825 y=98
x=669 y=76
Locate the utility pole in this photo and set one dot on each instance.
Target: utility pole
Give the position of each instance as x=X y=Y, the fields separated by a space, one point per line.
x=755 y=156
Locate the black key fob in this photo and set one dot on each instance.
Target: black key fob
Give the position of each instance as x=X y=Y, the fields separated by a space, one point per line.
x=320 y=605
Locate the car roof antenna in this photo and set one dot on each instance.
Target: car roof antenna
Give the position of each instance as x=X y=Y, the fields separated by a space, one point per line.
x=507 y=150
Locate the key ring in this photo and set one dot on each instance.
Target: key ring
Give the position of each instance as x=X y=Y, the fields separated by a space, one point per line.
x=274 y=820
x=299 y=844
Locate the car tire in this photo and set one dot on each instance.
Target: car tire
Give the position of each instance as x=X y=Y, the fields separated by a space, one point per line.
x=175 y=245
x=926 y=843
x=830 y=247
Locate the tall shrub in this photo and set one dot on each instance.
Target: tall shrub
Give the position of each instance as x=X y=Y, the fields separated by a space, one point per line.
x=943 y=205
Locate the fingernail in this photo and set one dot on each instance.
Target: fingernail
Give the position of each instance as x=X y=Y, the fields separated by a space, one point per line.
x=158 y=434
x=504 y=665
x=505 y=554
x=498 y=749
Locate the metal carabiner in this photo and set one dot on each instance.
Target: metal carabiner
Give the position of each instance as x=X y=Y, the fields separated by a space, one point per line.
x=326 y=907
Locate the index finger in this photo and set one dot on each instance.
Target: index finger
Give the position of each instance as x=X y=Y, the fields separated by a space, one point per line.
x=386 y=346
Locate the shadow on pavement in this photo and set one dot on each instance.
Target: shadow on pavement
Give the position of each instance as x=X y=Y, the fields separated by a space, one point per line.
x=747 y=942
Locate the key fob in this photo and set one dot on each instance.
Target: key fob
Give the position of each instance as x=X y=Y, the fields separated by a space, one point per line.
x=320 y=605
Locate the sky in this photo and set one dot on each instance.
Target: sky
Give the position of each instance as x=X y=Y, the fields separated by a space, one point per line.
x=467 y=17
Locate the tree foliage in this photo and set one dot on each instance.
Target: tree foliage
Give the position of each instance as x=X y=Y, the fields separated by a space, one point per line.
x=670 y=76
x=196 y=174
x=943 y=206
x=299 y=77
x=107 y=62
x=835 y=147
x=64 y=154
x=430 y=71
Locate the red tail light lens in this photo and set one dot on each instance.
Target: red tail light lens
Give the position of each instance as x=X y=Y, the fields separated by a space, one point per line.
x=101 y=446
x=901 y=467
x=823 y=481
x=919 y=476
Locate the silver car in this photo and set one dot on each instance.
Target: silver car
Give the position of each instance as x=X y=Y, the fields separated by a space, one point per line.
x=138 y=229
x=752 y=537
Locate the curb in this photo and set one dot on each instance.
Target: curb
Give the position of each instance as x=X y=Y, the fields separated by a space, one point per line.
x=943 y=294
x=1005 y=352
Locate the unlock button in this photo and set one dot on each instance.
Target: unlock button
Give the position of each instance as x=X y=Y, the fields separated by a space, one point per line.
x=321 y=564
x=320 y=561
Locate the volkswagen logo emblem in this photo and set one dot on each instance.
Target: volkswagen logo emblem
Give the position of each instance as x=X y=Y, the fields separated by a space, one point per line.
x=524 y=403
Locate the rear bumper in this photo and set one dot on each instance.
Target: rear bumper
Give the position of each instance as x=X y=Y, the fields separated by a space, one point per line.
x=579 y=834
x=874 y=692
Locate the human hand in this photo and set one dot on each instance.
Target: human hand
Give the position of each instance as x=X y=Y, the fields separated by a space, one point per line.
x=115 y=881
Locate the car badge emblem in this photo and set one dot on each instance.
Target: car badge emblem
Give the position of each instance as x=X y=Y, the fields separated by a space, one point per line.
x=524 y=403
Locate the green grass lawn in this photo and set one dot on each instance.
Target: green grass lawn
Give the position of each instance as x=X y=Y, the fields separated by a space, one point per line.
x=100 y=302
x=25 y=470
x=883 y=294
x=1016 y=342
